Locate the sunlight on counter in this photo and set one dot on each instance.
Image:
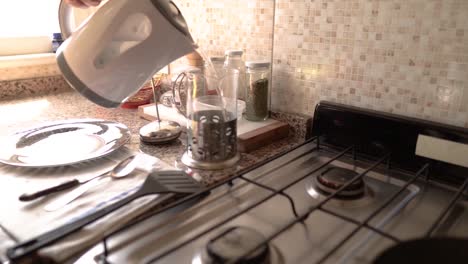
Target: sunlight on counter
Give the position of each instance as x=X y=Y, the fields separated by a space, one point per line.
x=22 y=111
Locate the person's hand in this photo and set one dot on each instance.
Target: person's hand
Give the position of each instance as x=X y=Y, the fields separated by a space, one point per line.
x=83 y=3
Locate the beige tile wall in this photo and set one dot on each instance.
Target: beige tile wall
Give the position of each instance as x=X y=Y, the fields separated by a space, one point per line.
x=403 y=56
x=408 y=57
x=225 y=24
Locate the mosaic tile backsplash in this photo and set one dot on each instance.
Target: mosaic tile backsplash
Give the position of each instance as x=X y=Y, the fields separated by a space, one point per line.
x=407 y=57
x=219 y=25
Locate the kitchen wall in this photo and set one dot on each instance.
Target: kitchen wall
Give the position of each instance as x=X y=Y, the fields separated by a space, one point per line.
x=223 y=24
x=403 y=56
x=408 y=57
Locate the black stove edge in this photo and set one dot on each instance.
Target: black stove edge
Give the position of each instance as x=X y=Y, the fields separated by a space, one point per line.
x=427 y=250
x=374 y=133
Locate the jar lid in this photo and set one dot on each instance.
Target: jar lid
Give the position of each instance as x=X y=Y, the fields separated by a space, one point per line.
x=257 y=64
x=57 y=35
x=193 y=70
x=233 y=52
x=217 y=59
x=184 y=69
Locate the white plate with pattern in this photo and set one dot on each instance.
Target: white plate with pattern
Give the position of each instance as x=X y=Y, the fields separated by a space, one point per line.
x=63 y=142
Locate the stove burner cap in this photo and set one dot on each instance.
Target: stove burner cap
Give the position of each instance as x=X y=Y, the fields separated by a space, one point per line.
x=334 y=178
x=234 y=243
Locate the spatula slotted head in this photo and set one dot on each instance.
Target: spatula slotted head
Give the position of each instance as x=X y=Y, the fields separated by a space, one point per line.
x=176 y=181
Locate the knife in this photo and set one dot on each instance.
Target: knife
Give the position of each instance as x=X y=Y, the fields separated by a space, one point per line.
x=26 y=197
x=69 y=197
x=122 y=169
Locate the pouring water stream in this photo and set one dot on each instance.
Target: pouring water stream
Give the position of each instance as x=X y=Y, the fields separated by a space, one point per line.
x=220 y=79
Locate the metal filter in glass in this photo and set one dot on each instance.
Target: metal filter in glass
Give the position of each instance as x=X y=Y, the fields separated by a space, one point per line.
x=211 y=121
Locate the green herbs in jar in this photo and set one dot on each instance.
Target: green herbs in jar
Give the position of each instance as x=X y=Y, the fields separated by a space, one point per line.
x=257 y=100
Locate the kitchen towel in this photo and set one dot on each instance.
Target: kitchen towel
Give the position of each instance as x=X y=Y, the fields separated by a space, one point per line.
x=27 y=220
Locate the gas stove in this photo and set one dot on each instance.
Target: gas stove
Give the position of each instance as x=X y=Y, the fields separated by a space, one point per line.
x=362 y=183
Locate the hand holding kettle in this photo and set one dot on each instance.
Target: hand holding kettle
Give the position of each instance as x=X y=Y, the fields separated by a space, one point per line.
x=120 y=46
x=83 y=3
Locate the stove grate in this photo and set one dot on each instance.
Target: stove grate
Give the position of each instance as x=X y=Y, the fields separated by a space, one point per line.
x=202 y=193
x=451 y=204
x=298 y=218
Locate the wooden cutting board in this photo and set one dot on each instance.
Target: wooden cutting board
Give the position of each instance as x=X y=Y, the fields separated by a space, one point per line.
x=250 y=135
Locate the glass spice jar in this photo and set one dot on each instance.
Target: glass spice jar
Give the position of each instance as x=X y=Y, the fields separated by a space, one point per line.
x=214 y=71
x=257 y=92
x=233 y=61
x=218 y=63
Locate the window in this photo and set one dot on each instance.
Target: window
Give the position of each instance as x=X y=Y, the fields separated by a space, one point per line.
x=26 y=26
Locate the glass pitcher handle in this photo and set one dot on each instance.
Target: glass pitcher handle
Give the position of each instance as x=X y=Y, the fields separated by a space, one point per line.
x=176 y=91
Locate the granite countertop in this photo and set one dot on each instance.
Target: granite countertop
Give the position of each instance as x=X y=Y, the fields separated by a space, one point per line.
x=24 y=113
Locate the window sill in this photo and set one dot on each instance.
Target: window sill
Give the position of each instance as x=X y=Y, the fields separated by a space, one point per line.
x=28 y=66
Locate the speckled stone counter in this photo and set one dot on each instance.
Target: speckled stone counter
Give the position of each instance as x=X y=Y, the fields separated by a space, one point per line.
x=23 y=88
x=23 y=113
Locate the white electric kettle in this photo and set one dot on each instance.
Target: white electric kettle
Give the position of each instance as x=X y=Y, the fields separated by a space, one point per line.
x=122 y=45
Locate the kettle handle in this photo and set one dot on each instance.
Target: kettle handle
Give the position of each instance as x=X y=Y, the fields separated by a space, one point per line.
x=64 y=17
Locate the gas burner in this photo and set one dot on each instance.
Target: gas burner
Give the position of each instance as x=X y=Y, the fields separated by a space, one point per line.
x=332 y=179
x=234 y=242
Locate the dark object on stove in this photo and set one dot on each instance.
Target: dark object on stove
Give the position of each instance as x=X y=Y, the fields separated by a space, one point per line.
x=333 y=178
x=427 y=251
x=376 y=133
x=236 y=241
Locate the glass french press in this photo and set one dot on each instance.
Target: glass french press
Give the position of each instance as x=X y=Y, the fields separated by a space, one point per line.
x=211 y=121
